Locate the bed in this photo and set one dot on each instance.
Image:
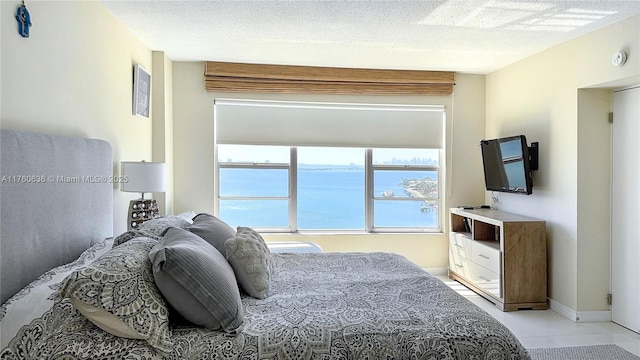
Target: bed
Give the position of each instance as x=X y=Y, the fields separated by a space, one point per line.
x=297 y=305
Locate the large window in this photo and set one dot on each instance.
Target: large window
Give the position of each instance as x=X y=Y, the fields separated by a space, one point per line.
x=291 y=183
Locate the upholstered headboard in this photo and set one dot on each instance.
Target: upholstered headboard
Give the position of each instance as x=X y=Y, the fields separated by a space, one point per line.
x=56 y=198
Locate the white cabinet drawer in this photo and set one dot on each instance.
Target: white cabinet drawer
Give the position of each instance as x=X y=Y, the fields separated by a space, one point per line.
x=459 y=264
x=485 y=255
x=486 y=279
x=461 y=244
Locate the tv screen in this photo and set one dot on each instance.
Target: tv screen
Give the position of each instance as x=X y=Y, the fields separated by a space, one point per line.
x=506 y=165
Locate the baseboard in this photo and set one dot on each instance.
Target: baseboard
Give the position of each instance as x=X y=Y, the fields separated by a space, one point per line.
x=437 y=271
x=579 y=316
x=594 y=316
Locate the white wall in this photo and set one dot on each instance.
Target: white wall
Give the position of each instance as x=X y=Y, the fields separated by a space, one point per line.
x=541 y=97
x=194 y=158
x=73 y=76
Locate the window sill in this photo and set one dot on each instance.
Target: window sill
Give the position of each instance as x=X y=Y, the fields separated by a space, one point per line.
x=350 y=233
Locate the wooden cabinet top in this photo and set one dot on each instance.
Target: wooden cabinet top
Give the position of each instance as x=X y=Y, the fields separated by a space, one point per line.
x=494 y=217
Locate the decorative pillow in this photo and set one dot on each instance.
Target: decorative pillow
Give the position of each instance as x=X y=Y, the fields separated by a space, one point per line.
x=156 y=227
x=153 y=228
x=212 y=230
x=255 y=235
x=118 y=294
x=126 y=236
x=197 y=281
x=251 y=260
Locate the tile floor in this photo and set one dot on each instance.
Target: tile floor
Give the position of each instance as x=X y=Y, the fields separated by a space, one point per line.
x=546 y=328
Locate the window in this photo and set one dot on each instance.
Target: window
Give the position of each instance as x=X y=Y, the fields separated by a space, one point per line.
x=331 y=188
x=406 y=188
x=253 y=183
x=256 y=188
x=317 y=177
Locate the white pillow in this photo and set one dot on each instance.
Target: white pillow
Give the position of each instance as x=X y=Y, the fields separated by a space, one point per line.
x=187 y=215
x=105 y=320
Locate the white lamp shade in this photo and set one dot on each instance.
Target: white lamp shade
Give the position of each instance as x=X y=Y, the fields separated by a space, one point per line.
x=143 y=177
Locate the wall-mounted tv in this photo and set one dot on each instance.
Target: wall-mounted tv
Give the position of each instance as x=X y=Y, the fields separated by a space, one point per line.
x=508 y=163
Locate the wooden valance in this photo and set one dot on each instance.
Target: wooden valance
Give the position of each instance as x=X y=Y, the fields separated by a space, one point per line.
x=258 y=78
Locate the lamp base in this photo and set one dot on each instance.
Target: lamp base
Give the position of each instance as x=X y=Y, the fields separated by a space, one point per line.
x=141 y=210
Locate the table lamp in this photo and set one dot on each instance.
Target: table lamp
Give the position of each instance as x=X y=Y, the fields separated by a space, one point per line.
x=142 y=177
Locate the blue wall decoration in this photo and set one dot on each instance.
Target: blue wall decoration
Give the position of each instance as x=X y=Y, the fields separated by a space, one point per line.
x=24 y=20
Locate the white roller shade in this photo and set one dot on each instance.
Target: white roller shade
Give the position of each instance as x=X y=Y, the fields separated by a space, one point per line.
x=260 y=122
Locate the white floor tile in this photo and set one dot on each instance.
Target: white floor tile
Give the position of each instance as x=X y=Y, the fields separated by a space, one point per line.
x=546 y=328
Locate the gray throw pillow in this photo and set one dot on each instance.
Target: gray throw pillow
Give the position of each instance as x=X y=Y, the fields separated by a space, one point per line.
x=251 y=260
x=213 y=230
x=197 y=281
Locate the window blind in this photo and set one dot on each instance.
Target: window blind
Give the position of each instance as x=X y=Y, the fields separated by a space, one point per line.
x=264 y=122
x=259 y=78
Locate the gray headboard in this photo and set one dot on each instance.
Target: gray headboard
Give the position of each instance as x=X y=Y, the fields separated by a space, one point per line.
x=56 y=198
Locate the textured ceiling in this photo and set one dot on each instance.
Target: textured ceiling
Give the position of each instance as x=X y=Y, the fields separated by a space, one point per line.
x=472 y=36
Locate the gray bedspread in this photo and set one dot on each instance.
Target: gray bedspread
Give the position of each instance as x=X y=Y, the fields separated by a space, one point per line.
x=321 y=306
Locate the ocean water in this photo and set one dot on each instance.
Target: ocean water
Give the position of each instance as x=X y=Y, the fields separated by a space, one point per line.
x=329 y=198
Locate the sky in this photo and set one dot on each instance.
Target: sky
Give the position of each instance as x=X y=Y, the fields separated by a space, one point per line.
x=317 y=155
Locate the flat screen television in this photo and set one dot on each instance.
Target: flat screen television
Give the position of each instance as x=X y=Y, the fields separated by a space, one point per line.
x=507 y=164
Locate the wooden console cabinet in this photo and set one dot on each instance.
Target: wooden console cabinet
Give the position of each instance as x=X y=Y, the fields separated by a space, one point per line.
x=500 y=256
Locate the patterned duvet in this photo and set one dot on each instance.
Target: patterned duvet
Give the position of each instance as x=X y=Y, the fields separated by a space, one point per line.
x=321 y=306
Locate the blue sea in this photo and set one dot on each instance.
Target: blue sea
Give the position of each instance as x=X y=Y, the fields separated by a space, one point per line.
x=329 y=198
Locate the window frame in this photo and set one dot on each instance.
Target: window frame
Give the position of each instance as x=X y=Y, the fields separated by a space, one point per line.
x=291 y=187
x=369 y=197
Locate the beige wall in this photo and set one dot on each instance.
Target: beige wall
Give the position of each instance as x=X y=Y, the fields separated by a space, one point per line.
x=162 y=142
x=73 y=76
x=194 y=159
x=594 y=197
x=541 y=97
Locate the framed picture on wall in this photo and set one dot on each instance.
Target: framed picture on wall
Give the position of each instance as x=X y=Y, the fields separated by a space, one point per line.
x=141 y=91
